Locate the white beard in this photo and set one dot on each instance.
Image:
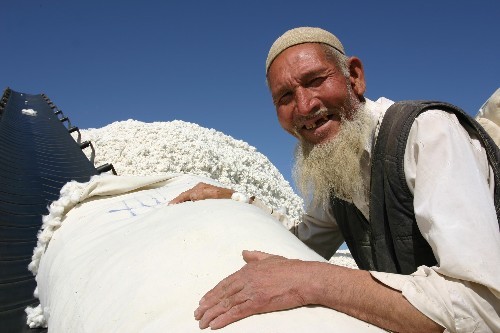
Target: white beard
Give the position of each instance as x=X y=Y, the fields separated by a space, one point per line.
x=334 y=167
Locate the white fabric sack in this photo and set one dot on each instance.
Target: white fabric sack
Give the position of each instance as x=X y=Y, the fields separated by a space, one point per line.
x=124 y=261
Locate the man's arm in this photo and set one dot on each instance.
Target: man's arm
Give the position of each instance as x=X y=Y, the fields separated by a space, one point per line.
x=271 y=283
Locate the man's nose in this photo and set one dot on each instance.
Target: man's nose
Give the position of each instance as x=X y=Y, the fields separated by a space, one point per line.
x=306 y=103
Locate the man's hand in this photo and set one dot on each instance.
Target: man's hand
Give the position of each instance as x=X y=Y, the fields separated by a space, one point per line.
x=270 y=283
x=202 y=191
x=266 y=283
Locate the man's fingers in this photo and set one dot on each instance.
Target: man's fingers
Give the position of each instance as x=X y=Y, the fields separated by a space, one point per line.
x=237 y=312
x=202 y=191
x=184 y=196
x=193 y=194
x=221 y=309
x=224 y=289
x=250 y=256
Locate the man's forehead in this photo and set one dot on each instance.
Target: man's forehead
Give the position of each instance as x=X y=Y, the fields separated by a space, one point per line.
x=305 y=57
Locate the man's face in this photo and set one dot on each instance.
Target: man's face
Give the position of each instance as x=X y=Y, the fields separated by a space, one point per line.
x=310 y=93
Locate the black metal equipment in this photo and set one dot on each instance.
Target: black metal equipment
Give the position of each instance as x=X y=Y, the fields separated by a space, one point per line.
x=38 y=156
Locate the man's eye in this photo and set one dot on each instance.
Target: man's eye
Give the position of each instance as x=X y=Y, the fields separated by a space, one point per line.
x=316 y=82
x=285 y=98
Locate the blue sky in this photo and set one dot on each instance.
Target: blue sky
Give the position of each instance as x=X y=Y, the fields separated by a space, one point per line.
x=203 y=61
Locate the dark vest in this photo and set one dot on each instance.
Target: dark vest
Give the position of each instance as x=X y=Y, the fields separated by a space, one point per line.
x=391 y=242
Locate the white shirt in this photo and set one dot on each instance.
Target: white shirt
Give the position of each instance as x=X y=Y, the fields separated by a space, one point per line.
x=448 y=173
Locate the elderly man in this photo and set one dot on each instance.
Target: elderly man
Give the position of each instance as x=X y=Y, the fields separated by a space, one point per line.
x=411 y=187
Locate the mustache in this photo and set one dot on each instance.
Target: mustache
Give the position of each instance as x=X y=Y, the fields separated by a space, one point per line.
x=316 y=114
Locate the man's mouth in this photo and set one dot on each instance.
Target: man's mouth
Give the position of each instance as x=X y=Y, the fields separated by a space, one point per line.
x=319 y=122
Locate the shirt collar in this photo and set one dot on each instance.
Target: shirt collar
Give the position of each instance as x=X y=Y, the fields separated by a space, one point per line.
x=376 y=110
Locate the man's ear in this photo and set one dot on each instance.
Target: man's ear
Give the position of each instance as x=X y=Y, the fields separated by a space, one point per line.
x=357 y=76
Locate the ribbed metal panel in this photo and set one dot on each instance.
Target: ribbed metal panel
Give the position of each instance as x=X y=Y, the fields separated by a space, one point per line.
x=37 y=157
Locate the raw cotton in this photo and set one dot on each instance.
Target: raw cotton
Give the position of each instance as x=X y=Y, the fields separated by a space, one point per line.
x=138 y=148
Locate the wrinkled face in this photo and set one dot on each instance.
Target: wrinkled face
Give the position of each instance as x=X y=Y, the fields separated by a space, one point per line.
x=310 y=93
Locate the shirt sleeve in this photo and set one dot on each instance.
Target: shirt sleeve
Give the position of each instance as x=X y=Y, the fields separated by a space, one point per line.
x=319 y=231
x=447 y=170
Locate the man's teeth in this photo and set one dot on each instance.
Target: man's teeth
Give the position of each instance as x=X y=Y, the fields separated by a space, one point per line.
x=314 y=125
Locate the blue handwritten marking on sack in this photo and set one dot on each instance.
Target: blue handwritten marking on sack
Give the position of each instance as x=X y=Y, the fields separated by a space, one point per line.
x=130 y=209
x=135 y=206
